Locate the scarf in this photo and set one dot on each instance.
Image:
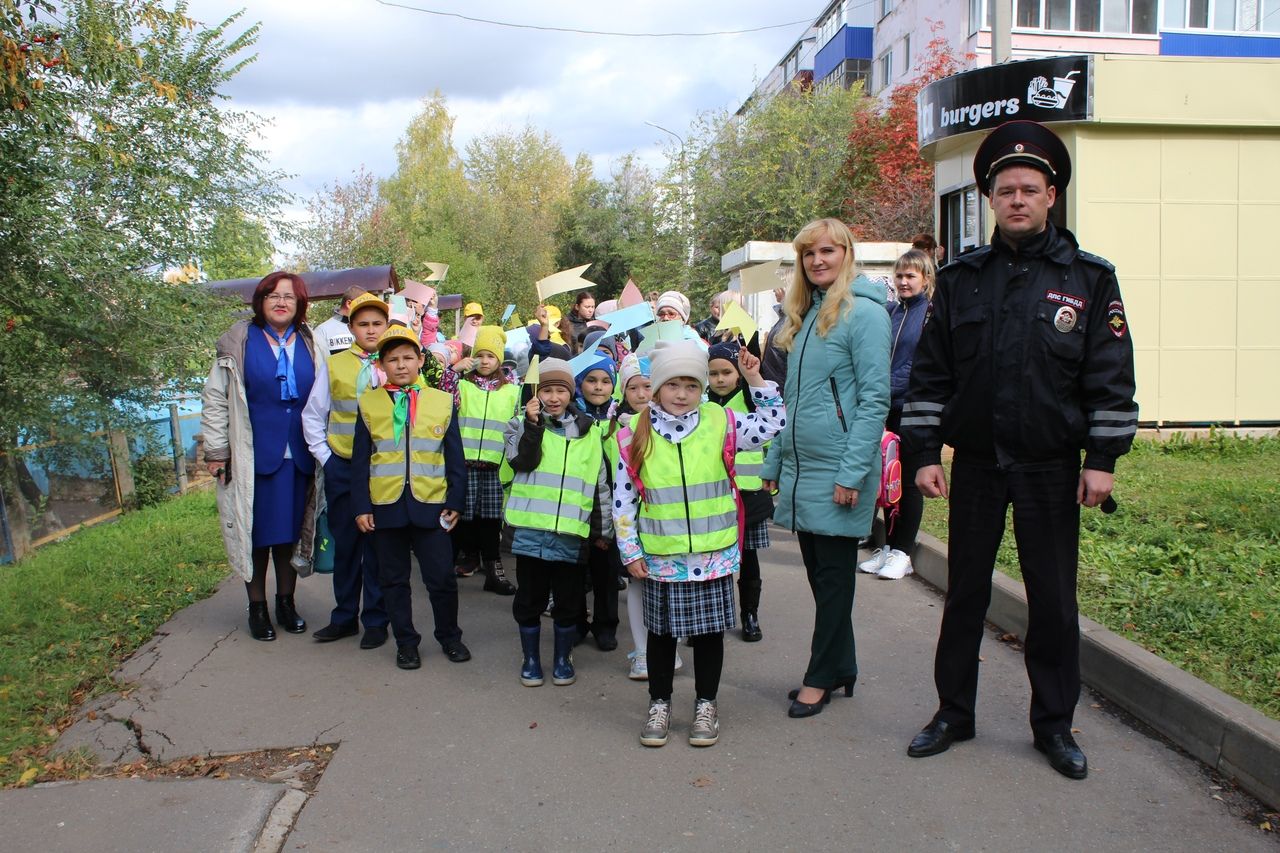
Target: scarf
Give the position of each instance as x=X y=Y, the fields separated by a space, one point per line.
x=369 y=375
x=284 y=364
x=405 y=406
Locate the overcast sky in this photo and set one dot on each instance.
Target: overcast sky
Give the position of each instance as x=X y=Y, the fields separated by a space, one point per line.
x=339 y=80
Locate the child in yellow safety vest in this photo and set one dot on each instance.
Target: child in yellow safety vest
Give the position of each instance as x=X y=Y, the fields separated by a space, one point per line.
x=408 y=483
x=677 y=516
x=595 y=381
x=487 y=398
x=558 y=507
x=727 y=387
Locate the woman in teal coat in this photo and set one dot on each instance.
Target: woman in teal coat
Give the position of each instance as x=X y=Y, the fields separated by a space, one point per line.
x=826 y=462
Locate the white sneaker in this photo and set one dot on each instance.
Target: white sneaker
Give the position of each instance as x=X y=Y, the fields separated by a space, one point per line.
x=896 y=566
x=658 y=725
x=706 y=724
x=875 y=562
x=639 y=666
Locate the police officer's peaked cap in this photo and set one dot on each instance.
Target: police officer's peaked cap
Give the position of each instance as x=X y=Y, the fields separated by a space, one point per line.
x=1022 y=143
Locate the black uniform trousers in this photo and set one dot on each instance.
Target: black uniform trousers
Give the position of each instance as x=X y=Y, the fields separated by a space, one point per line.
x=1046 y=525
x=395 y=571
x=537 y=580
x=355 y=562
x=602 y=569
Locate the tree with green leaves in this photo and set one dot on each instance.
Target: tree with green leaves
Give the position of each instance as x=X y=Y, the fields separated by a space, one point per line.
x=238 y=247
x=118 y=160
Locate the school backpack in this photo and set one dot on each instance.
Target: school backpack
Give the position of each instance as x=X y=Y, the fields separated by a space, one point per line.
x=890 y=475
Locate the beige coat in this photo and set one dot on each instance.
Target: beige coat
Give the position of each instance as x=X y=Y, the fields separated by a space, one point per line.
x=228 y=437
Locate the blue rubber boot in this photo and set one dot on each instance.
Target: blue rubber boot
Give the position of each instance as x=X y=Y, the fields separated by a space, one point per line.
x=562 y=666
x=531 y=669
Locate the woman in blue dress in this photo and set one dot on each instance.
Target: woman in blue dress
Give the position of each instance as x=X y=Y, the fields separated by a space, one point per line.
x=252 y=424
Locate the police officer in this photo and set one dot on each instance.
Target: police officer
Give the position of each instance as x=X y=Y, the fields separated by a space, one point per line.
x=1025 y=361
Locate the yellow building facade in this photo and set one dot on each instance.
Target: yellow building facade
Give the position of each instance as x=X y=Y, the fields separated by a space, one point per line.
x=1176 y=180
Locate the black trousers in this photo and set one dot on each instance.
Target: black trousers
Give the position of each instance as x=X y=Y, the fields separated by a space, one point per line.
x=749 y=582
x=479 y=537
x=900 y=532
x=708 y=663
x=1046 y=525
x=395 y=571
x=355 y=561
x=536 y=580
x=830 y=562
x=603 y=572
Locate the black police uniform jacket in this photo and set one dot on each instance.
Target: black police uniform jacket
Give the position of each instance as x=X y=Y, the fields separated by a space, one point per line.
x=1024 y=361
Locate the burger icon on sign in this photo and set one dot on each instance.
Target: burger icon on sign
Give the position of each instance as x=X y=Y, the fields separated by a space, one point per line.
x=1041 y=94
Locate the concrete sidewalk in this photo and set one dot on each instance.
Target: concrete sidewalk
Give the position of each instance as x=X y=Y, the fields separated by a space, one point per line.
x=461 y=756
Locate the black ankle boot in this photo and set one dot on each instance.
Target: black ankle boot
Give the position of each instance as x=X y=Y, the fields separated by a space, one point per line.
x=287 y=615
x=260 y=621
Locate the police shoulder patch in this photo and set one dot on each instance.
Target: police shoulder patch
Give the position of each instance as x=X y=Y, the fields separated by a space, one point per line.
x=1096 y=260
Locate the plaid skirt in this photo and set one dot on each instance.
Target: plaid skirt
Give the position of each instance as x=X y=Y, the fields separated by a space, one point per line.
x=484 y=494
x=689 y=608
x=757 y=535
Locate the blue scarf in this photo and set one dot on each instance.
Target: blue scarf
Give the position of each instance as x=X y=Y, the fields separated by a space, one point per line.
x=284 y=365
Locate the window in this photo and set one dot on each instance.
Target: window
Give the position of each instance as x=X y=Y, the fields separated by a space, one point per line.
x=886 y=6
x=1240 y=16
x=1119 y=17
x=885 y=72
x=832 y=23
x=906 y=54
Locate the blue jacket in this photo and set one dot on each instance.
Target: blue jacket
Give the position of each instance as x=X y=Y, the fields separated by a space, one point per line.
x=907 y=320
x=837 y=398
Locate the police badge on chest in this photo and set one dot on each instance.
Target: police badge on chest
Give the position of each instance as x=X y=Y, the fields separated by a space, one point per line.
x=1065 y=319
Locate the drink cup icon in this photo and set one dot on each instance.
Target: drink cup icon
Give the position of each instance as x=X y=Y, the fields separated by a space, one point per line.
x=1062 y=87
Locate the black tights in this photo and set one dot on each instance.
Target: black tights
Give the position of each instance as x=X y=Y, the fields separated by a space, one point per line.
x=708 y=661
x=479 y=537
x=286 y=574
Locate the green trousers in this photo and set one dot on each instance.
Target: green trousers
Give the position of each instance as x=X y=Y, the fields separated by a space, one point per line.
x=831 y=565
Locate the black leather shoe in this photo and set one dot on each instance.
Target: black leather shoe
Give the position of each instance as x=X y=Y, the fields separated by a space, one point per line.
x=287 y=615
x=260 y=622
x=373 y=638
x=800 y=709
x=407 y=658
x=455 y=651
x=606 y=642
x=751 y=628
x=847 y=685
x=1065 y=755
x=331 y=632
x=937 y=737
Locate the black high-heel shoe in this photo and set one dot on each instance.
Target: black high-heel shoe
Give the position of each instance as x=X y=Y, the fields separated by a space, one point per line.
x=847 y=685
x=800 y=709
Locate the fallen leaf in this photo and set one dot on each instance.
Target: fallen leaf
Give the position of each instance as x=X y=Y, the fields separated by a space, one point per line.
x=92 y=715
x=703 y=782
x=28 y=774
x=1095 y=705
x=1008 y=638
x=1075 y=731
x=533 y=725
x=1265 y=826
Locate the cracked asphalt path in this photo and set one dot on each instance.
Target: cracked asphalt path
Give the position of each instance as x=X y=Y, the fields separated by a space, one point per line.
x=461 y=756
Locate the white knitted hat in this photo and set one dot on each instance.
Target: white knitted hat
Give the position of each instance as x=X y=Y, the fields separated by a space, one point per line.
x=673 y=359
x=674 y=299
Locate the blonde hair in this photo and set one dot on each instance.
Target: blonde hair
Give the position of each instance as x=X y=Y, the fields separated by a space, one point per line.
x=919 y=261
x=838 y=301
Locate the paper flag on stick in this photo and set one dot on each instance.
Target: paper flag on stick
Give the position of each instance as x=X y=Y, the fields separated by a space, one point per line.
x=631 y=295
x=580 y=361
x=563 y=282
x=399 y=309
x=467 y=334
x=438 y=271
x=669 y=330
x=648 y=337
x=734 y=317
x=753 y=345
x=530 y=382
x=628 y=318
x=506 y=315
x=761 y=277
x=514 y=322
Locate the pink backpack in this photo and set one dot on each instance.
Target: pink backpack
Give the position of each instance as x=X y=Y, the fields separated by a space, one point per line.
x=890 y=474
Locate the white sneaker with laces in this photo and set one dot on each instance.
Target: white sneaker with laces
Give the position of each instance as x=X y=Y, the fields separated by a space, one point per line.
x=658 y=726
x=875 y=562
x=706 y=724
x=896 y=567
x=639 y=666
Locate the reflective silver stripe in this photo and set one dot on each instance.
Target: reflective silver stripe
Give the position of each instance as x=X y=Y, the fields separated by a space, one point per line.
x=426 y=469
x=570 y=483
x=387 y=469
x=1113 y=416
x=541 y=506
x=750 y=469
x=471 y=423
x=695 y=526
x=922 y=420
x=923 y=407
x=1108 y=432
x=348 y=406
x=696 y=492
x=481 y=444
x=339 y=428
x=386 y=445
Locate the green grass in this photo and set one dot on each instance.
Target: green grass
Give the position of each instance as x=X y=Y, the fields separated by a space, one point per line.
x=70 y=612
x=1189 y=565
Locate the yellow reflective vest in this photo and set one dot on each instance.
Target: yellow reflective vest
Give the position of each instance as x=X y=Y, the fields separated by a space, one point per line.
x=344 y=369
x=482 y=418
x=747 y=464
x=418 y=458
x=558 y=495
x=687 y=504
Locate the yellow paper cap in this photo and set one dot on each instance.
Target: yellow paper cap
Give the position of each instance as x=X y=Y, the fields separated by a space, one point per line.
x=397 y=333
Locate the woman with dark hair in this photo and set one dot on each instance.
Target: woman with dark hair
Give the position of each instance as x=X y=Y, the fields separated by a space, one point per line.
x=826 y=462
x=252 y=425
x=582 y=313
